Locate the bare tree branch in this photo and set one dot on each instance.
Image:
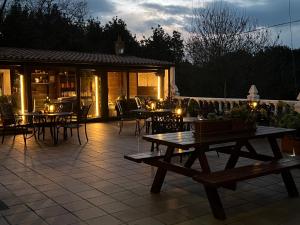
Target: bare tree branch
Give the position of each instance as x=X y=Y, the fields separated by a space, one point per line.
x=218 y=30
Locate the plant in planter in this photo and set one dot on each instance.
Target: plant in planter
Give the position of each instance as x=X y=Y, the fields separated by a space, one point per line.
x=243 y=118
x=193 y=108
x=290 y=143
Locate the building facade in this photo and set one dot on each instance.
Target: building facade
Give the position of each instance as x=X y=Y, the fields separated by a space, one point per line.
x=34 y=77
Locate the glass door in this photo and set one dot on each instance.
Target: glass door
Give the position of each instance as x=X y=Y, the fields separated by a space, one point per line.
x=90 y=91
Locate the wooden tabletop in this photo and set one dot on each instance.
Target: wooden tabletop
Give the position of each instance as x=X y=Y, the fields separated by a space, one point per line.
x=188 y=139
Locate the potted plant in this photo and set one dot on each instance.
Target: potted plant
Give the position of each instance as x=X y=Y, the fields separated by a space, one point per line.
x=243 y=118
x=290 y=143
x=193 y=108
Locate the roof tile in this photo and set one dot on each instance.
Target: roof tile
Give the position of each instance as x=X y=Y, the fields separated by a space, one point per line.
x=50 y=56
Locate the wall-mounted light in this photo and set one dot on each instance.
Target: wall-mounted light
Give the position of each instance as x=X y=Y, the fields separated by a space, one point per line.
x=97 y=95
x=158 y=87
x=22 y=94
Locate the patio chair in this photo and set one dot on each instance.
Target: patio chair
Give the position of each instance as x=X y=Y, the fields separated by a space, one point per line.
x=123 y=108
x=167 y=123
x=10 y=121
x=76 y=122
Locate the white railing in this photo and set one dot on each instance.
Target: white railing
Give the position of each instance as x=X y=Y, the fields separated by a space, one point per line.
x=230 y=102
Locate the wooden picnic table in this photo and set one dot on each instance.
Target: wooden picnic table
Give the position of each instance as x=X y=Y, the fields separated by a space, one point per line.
x=186 y=142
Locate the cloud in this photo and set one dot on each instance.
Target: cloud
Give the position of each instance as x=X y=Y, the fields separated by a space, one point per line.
x=101 y=6
x=167 y=9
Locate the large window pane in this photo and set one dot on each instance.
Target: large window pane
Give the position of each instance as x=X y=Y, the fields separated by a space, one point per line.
x=90 y=91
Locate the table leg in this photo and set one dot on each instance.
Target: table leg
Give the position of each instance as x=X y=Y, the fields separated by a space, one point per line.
x=215 y=203
x=161 y=172
x=211 y=192
x=286 y=174
x=234 y=157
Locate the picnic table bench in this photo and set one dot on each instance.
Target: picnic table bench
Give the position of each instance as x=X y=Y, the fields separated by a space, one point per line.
x=195 y=147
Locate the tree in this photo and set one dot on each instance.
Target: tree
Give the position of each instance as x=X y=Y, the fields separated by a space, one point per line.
x=218 y=30
x=162 y=46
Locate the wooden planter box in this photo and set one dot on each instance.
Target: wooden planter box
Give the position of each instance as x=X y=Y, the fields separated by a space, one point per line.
x=288 y=143
x=212 y=127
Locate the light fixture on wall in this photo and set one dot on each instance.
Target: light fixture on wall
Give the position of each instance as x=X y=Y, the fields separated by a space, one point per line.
x=119 y=46
x=158 y=87
x=22 y=93
x=97 y=95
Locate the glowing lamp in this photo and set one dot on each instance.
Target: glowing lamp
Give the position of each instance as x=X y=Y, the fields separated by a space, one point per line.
x=51 y=108
x=179 y=111
x=254 y=105
x=152 y=106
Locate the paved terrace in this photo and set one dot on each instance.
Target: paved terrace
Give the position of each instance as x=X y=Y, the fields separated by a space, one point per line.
x=93 y=184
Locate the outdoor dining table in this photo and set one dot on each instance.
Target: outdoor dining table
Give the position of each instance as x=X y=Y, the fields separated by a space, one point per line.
x=198 y=145
x=145 y=114
x=52 y=119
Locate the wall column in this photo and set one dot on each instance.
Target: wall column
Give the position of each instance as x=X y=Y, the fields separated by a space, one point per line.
x=27 y=84
x=104 y=95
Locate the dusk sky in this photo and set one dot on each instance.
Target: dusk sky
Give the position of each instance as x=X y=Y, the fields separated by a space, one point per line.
x=141 y=15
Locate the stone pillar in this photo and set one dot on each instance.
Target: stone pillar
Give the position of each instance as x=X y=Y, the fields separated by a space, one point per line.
x=253 y=94
x=297 y=105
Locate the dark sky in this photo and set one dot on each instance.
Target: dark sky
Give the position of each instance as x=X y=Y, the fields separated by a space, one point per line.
x=141 y=15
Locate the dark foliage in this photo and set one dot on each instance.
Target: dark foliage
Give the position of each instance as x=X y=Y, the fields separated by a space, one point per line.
x=52 y=26
x=271 y=70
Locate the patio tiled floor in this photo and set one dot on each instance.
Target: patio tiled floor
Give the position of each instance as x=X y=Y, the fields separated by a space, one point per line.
x=93 y=184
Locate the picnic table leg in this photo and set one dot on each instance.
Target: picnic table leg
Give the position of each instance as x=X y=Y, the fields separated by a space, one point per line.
x=211 y=192
x=161 y=172
x=215 y=203
x=286 y=174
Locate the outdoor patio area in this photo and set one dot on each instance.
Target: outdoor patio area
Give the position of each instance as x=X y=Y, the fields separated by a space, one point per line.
x=93 y=184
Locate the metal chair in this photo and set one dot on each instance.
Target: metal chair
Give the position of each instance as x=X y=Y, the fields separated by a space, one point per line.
x=10 y=121
x=123 y=108
x=167 y=123
x=75 y=122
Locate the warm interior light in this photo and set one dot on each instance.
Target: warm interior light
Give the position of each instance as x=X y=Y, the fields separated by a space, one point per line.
x=22 y=94
x=51 y=108
x=179 y=111
x=254 y=104
x=158 y=87
x=97 y=95
x=152 y=106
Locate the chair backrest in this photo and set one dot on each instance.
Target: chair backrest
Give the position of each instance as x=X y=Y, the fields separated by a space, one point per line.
x=65 y=107
x=84 y=111
x=121 y=107
x=166 y=123
x=7 y=114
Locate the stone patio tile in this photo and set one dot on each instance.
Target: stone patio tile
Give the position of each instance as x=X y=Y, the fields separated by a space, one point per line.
x=67 y=198
x=28 y=218
x=90 y=194
x=146 y=221
x=51 y=211
x=11 y=201
x=33 y=197
x=105 y=220
x=3 y=221
x=114 y=207
x=124 y=195
x=98 y=201
x=129 y=215
x=65 y=219
x=15 y=209
x=70 y=176
x=171 y=217
x=41 y=204
x=78 y=205
x=90 y=213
